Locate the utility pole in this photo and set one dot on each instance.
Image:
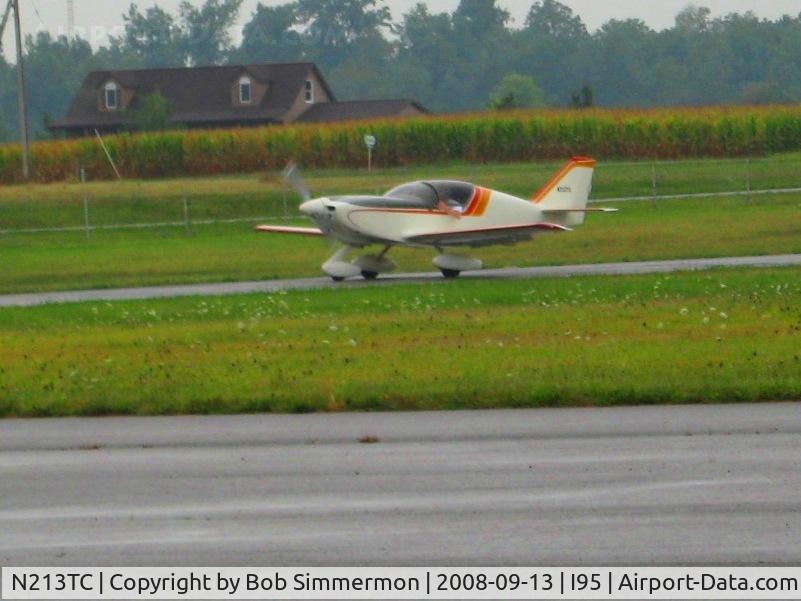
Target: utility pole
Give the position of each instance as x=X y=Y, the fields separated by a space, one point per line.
x=70 y=19
x=23 y=115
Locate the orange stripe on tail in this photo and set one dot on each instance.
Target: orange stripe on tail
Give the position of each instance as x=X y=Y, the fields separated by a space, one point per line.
x=574 y=162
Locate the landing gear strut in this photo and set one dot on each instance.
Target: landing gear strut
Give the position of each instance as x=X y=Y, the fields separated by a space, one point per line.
x=373 y=265
x=367 y=266
x=338 y=266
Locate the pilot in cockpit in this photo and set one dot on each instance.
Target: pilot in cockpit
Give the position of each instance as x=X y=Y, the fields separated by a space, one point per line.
x=449 y=197
x=450 y=206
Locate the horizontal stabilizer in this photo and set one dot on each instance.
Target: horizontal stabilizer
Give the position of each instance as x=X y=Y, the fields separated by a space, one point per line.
x=287 y=229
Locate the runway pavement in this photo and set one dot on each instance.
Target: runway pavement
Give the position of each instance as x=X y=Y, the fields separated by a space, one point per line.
x=709 y=485
x=17 y=300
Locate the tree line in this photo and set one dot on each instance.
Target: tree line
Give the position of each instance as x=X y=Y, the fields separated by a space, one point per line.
x=472 y=58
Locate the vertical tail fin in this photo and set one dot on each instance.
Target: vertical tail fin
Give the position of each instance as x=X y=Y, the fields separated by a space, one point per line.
x=568 y=189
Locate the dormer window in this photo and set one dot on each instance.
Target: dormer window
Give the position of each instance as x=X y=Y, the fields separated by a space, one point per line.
x=308 y=92
x=245 y=89
x=112 y=96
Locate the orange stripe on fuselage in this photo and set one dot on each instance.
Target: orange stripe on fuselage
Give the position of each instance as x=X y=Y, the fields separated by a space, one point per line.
x=483 y=202
x=471 y=206
x=479 y=202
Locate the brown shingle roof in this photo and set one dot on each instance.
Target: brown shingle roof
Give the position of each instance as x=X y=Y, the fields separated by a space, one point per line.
x=197 y=95
x=353 y=110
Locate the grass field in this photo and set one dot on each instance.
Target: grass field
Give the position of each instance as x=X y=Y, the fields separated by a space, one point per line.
x=227 y=252
x=728 y=335
x=138 y=201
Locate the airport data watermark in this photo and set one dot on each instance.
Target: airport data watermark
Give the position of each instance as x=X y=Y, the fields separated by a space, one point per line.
x=401 y=583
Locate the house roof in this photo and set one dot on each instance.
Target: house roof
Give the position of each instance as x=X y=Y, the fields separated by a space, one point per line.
x=197 y=94
x=354 y=110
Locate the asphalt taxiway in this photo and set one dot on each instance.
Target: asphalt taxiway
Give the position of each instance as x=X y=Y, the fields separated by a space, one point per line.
x=227 y=288
x=676 y=485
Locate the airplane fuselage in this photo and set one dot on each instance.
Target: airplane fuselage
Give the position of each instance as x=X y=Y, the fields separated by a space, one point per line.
x=362 y=220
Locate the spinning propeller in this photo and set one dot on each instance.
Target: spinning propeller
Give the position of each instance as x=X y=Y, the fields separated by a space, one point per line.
x=291 y=175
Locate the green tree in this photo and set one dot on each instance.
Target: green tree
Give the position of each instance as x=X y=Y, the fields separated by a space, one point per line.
x=153 y=38
x=335 y=28
x=583 y=99
x=618 y=63
x=693 y=19
x=152 y=113
x=427 y=41
x=766 y=92
x=554 y=20
x=361 y=72
x=483 y=51
x=206 y=31
x=269 y=37
x=547 y=46
x=786 y=34
x=54 y=68
x=516 y=91
x=8 y=93
x=479 y=19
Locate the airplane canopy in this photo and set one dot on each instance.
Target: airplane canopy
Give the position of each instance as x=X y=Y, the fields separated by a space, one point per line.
x=430 y=193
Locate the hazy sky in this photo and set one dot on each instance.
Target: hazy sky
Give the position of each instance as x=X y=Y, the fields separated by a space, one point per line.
x=96 y=18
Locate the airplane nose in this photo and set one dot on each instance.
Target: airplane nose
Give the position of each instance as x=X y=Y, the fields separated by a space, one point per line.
x=312 y=207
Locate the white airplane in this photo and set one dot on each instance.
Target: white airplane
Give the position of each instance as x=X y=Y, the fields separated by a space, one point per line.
x=441 y=215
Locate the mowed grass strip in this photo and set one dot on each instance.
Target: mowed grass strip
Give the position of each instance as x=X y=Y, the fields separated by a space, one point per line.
x=222 y=197
x=646 y=230
x=721 y=336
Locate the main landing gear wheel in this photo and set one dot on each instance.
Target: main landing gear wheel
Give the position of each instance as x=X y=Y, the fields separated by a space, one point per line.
x=450 y=273
x=369 y=275
x=337 y=279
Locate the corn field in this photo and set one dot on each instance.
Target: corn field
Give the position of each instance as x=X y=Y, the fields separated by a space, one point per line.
x=483 y=137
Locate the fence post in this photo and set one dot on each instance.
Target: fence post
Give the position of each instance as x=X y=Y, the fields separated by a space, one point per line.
x=187 y=222
x=748 y=179
x=653 y=178
x=85 y=204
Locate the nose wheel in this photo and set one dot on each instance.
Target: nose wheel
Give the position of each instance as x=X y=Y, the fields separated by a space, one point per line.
x=368 y=266
x=450 y=273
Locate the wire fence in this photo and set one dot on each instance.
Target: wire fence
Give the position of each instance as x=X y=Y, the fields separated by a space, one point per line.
x=133 y=226
x=640 y=181
x=699 y=195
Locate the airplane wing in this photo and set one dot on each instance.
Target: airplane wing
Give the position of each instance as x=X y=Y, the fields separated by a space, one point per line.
x=287 y=229
x=588 y=210
x=486 y=236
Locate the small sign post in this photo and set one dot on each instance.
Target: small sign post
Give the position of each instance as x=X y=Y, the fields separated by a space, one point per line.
x=369 y=141
x=85 y=204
